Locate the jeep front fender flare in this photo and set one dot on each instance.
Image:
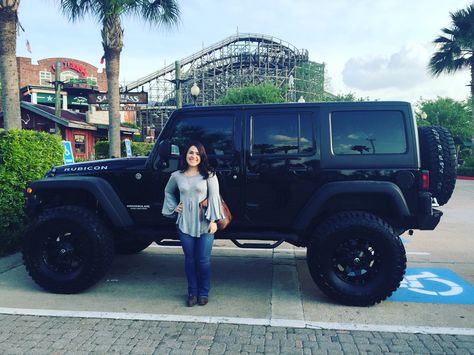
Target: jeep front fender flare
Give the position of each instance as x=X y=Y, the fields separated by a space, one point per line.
x=316 y=203
x=99 y=188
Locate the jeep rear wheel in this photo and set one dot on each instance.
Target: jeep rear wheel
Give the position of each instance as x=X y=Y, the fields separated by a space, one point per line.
x=67 y=249
x=356 y=258
x=438 y=155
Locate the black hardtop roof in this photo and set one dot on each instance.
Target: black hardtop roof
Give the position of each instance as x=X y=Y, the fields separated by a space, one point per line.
x=358 y=104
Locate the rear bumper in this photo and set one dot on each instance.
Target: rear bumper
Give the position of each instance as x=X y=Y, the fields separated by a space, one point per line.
x=428 y=217
x=429 y=222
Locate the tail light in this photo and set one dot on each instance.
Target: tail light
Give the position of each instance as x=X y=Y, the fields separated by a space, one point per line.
x=425 y=180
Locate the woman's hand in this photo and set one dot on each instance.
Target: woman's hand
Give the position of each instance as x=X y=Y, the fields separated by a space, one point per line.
x=179 y=208
x=212 y=227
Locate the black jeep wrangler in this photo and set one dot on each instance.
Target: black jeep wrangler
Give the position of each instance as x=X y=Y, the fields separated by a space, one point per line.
x=343 y=180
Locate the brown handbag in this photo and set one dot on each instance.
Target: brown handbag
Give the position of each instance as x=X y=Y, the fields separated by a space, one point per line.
x=221 y=223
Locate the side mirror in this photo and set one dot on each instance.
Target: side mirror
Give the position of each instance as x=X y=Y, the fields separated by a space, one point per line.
x=164 y=150
x=167 y=150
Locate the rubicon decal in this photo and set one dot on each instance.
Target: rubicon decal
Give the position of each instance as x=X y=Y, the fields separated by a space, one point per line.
x=138 y=207
x=86 y=168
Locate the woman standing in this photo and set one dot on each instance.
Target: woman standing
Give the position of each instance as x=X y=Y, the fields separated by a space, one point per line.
x=196 y=181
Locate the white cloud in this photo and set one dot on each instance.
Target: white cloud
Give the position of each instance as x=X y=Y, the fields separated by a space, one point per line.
x=404 y=69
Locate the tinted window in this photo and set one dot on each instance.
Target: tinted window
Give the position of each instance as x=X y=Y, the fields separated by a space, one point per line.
x=282 y=134
x=368 y=132
x=215 y=132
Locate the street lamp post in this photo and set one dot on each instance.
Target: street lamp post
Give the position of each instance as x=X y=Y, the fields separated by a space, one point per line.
x=195 y=92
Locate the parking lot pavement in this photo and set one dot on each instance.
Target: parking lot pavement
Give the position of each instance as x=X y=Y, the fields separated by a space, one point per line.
x=53 y=335
x=266 y=291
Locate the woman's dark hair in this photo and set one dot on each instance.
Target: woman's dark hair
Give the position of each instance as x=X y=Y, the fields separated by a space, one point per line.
x=204 y=168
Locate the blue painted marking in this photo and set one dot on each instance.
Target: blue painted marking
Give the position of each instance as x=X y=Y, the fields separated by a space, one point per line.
x=404 y=240
x=433 y=286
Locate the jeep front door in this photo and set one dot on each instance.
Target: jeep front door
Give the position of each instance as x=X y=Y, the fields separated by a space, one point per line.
x=280 y=166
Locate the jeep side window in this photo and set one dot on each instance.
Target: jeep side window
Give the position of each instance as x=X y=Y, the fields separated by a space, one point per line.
x=214 y=132
x=281 y=134
x=368 y=132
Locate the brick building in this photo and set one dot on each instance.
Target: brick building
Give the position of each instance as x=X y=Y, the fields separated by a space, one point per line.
x=80 y=123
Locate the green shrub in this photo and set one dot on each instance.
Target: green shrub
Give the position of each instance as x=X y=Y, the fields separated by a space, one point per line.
x=24 y=156
x=465 y=171
x=138 y=149
x=469 y=162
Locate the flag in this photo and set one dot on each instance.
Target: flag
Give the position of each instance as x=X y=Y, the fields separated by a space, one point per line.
x=102 y=59
x=28 y=47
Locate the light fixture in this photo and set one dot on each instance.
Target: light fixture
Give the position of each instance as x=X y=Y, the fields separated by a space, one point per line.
x=195 y=92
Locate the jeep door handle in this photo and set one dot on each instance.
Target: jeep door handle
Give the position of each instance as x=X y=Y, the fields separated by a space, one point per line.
x=298 y=171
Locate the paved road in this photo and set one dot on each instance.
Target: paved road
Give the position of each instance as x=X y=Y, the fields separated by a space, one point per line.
x=262 y=301
x=46 y=335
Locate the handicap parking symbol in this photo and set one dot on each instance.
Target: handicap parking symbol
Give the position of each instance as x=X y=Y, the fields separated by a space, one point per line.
x=433 y=286
x=68 y=156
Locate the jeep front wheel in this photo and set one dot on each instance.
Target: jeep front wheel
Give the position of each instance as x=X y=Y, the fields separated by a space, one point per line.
x=356 y=258
x=67 y=249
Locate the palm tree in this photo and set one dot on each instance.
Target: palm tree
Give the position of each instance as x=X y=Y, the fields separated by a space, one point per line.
x=456 y=50
x=109 y=14
x=8 y=67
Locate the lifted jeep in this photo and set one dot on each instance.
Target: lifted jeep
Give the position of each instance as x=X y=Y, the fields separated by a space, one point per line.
x=343 y=180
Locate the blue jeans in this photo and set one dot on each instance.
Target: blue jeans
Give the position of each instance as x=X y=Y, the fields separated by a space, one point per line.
x=197 y=262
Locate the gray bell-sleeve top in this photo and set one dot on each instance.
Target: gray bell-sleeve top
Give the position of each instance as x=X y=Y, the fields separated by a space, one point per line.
x=192 y=190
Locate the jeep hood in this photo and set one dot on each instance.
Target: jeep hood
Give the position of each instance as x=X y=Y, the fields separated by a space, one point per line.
x=98 y=167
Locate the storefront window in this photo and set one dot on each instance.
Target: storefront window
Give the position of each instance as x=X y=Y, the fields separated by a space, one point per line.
x=45 y=78
x=79 y=144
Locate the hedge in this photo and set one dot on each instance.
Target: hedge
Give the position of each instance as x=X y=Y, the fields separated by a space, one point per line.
x=467 y=169
x=24 y=156
x=138 y=149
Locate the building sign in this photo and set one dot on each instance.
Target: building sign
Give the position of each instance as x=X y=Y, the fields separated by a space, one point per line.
x=125 y=98
x=83 y=81
x=105 y=107
x=76 y=100
x=44 y=98
x=67 y=65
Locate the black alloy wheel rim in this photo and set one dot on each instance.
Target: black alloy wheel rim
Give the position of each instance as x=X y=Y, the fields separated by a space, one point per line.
x=63 y=253
x=356 y=260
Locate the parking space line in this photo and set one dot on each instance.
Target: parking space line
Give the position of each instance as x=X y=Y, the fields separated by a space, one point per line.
x=236 y=320
x=286 y=293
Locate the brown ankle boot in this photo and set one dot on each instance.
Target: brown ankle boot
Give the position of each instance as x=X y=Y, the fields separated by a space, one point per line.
x=192 y=301
x=202 y=301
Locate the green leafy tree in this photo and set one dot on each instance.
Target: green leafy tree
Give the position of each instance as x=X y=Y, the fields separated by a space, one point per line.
x=253 y=94
x=8 y=67
x=110 y=13
x=446 y=112
x=456 y=49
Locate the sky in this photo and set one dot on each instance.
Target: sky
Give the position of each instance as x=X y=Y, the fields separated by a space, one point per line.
x=373 y=48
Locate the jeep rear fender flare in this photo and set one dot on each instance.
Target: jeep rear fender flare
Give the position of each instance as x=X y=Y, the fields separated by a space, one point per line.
x=316 y=203
x=99 y=188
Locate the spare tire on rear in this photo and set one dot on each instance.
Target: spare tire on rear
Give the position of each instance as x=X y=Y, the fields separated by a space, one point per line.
x=438 y=155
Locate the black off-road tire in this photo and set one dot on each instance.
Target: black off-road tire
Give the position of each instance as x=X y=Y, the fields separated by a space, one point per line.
x=438 y=155
x=356 y=258
x=67 y=249
x=130 y=247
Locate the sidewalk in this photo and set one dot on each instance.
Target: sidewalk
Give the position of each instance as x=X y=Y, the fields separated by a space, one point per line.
x=58 y=335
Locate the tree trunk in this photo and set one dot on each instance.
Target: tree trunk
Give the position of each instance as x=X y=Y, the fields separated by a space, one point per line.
x=112 y=69
x=8 y=66
x=472 y=104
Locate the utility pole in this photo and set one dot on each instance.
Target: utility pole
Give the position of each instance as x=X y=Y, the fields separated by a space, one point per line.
x=178 y=93
x=57 y=87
